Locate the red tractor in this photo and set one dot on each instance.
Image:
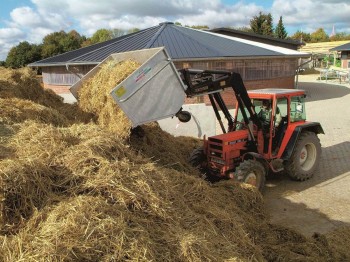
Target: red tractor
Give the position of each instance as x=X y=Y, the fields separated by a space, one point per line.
x=269 y=131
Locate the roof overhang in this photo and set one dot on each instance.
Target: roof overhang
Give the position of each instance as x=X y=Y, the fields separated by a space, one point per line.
x=301 y=55
x=62 y=64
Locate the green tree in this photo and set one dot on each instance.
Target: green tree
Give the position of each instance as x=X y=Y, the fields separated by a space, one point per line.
x=101 y=35
x=61 y=42
x=340 y=36
x=2 y=63
x=268 y=25
x=319 y=36
x=301 y=36
x=262 y=24
x=280 y=31
x=23 y=54
x=133 y=30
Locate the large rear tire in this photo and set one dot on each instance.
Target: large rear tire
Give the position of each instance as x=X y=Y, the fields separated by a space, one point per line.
x=252 y=172
x=305 y=157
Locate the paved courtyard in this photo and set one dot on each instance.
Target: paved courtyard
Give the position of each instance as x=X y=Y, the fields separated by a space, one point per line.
x=320 y=204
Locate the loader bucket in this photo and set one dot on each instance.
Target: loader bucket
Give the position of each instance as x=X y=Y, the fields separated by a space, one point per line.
x=152 y=92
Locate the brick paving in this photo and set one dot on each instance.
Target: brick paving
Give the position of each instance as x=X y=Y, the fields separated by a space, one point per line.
x=321 y=203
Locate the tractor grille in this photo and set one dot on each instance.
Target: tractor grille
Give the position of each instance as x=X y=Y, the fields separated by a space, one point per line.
x=215 y=140
x=216 y=151
x=215 y=147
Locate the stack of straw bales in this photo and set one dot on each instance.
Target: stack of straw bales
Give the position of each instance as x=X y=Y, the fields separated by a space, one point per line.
x=77 y=191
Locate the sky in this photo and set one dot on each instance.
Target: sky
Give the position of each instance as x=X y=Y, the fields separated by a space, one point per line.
x=31 y=20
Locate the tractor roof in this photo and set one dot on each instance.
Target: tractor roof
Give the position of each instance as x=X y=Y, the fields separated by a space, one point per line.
x=269 y=92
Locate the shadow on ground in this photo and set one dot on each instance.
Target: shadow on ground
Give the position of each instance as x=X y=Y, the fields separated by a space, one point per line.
x=285 y=199
x=323 y=91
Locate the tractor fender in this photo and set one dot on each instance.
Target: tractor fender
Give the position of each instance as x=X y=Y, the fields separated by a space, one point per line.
x=307 y=126
x=253 y=155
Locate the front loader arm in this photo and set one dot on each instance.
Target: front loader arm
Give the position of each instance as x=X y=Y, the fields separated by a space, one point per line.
x=212 y=82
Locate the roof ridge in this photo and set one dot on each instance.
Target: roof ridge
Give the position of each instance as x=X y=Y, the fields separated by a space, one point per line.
x=153 y=39
x=105 y=46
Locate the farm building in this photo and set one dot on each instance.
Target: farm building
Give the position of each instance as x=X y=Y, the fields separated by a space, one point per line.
x=343 y=52
x=322 y=50
x=260 y=64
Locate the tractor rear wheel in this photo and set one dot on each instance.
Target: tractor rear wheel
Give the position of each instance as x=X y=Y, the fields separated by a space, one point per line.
x=305 y=157
x=252 y=172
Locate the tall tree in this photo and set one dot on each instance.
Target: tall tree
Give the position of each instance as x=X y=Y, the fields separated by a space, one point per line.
x=23 y=54
x=61 y=42
x=280 y=31
x=268 y=25
x=319 y=36
x=262 y=24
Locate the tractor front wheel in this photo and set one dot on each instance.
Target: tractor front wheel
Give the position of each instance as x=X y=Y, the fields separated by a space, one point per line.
x=252 y=172
x=197 y=158
x=305 y=157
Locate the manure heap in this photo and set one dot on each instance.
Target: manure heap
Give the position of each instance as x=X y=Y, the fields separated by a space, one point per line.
x=75 y=185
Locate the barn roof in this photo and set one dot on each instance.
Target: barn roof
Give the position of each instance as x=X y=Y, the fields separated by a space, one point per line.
x=345 y=47
x=182 y=43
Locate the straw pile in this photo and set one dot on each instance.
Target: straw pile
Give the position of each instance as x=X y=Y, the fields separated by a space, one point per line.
x=22 y=84
x=79 y=192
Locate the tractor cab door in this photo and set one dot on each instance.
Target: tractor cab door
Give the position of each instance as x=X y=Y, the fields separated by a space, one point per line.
x=279 y=124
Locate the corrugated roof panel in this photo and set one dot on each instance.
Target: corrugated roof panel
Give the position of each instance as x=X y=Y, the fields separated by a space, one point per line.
x=180 y=45
x=226 y=47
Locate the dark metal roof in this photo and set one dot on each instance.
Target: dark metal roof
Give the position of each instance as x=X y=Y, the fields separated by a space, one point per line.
x=345 y=47
x=286 y=43
x=182 y=43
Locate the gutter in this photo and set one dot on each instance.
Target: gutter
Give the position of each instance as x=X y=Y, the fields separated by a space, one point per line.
x=238 y=58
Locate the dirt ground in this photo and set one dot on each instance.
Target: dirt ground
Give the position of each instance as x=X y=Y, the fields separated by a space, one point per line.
x=320 y=204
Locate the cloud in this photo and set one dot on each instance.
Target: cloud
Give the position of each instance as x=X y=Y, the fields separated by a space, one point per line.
x=8 y=38
x=237 y=15
x=310 y=15
x=87 y=16
x=25 y=16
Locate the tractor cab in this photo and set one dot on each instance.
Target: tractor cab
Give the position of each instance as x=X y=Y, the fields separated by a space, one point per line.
x=279 y=111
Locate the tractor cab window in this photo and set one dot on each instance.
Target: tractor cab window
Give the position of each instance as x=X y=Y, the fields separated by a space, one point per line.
x=263 y=107
x=297 y=109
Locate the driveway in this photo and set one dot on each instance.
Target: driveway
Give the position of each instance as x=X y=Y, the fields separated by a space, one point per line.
x=320 y=204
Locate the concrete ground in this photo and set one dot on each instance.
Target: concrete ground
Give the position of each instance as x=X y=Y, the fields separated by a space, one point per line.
x=320 y=204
